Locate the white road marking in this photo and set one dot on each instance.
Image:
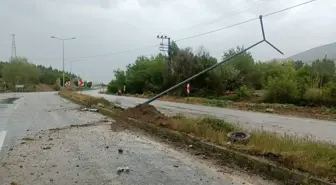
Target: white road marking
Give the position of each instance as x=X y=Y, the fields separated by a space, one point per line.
x=2 y=138
x=16 y=106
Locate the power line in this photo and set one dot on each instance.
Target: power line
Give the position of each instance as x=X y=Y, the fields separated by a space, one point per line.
x=198 y=35
x=223 y=17
x=285 y=9
x=243 y=22
x=114 y=53
x=219 y=29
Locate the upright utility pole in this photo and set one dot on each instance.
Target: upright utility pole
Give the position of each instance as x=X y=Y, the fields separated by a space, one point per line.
x=13 y=48
x=71 y=68
x=165 y=47
x=62 y=39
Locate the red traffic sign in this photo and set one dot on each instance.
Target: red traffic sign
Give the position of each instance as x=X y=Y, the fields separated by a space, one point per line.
x=67 y=83
x=188 y=88
x=80 y=83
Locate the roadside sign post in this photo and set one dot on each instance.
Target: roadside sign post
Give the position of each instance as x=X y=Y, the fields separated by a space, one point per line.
x=188 y=89
x=67 y=83
x=80 y=84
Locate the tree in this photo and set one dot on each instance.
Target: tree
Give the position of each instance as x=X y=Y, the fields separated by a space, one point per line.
x=89 y=84
x=243 y=62
x=19 y=71
x=66 y=78
x=284 y=81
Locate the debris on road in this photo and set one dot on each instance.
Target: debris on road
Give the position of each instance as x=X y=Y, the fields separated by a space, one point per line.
x=120 y=150
x=123 y=169
x=269 y=110
x=100 y=105
x=28 y=139
x=89 y=109
x=147 y=113
x=46 y=148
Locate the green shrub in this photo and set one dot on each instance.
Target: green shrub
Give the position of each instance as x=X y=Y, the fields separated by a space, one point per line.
x=330 y=90
x=57 y=87
x=112 y=88
x=282 y=89
x=243 y=92
x=314 y=95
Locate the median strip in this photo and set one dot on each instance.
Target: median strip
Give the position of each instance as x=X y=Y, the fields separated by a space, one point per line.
x=288 y=158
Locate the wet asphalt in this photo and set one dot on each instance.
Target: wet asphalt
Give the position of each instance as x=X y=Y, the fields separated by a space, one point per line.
x=317 y=129
x=22 y=114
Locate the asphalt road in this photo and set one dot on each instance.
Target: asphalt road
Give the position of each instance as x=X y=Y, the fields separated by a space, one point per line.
x=89 y=154
x=32 y=112
x=318 y=129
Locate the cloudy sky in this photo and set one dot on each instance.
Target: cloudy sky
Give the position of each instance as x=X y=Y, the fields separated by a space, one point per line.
x=104 y=27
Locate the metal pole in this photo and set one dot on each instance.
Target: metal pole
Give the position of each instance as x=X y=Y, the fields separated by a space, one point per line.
x=63 y=64
x=198 y=74
x=70 y=70
x=210 y=68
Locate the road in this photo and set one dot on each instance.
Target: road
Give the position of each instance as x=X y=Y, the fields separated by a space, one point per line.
x=318 y=129
x=34 y=154
x=32 y=112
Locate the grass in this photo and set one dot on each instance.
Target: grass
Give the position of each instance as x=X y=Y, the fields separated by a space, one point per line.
x=86 y=99
x=304 y=154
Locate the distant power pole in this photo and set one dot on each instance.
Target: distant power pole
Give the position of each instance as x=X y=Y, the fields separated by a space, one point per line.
x=165 y=47
x=13 y=47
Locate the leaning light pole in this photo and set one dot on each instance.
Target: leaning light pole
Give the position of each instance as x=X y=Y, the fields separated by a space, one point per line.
x=214 y=66
x=63 y=39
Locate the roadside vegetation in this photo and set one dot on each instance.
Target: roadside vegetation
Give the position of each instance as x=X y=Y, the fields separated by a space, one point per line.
x=241 y=83
x=19 y=71
x=304 y=154
x=301 y=153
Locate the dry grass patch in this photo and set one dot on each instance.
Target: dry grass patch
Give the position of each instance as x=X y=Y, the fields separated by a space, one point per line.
x=303 y=154
x=88 y=100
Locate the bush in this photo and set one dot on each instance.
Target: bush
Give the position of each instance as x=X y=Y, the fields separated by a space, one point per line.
x=57 y=87
x=282 y=89
x=243 y=92
x=112 y=88
x=330 y=90
x=314 y=95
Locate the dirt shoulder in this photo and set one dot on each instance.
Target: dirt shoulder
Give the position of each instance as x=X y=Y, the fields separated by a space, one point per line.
x=88 y=154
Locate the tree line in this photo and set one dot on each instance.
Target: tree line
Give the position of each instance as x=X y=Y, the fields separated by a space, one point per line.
x=293 y=82
x=20 y=72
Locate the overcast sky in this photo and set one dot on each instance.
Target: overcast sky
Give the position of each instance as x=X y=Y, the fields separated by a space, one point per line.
x=107 y=26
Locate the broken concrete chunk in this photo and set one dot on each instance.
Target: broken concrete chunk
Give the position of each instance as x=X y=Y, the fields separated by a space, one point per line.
x=120 y=150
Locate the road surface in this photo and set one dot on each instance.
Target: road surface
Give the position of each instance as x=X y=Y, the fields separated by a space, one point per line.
x=319 y=129
x=28 y=113
x=89 y=154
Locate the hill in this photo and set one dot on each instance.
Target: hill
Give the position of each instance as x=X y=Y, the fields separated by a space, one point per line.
x=316 y=53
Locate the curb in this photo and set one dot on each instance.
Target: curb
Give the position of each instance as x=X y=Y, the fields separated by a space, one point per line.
x=229 y=157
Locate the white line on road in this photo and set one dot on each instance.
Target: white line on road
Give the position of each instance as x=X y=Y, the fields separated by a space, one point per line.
x=2 y=138
x=16 y=106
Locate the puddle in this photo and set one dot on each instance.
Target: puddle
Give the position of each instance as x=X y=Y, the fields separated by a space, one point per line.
x=8 y=100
